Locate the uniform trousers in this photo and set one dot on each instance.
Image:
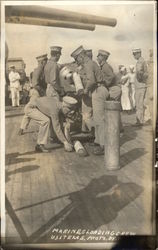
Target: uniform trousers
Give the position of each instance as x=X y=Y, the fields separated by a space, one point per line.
x=87 y=119
x=42 y=120
x=148 y=103
x=99 y=96
x=15 y=96
x=139 y=97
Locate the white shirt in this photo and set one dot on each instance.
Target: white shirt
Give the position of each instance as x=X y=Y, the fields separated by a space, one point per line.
x=132 y=77
x=14 y=78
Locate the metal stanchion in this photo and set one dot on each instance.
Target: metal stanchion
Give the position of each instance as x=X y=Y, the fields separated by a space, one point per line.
x=112 y=135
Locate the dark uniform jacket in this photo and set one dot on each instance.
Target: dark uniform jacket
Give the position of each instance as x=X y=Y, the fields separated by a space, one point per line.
x=141 y=70
x=38 y=80
x=51 y=72
x=107 y=74
x=92 y=74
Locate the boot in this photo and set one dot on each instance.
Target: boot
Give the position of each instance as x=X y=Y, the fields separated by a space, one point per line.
x=40 y=148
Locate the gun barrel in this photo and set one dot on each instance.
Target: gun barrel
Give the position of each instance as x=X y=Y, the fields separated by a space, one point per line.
x=49 y=22
x=56 y=14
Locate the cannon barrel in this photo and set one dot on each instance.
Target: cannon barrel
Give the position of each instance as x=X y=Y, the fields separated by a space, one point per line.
x=56 y=14
x=49 y=22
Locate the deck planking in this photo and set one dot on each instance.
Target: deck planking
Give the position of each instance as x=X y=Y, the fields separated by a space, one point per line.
x=61 y=189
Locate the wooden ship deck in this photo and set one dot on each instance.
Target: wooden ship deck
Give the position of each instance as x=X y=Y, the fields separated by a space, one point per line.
x=60 y=190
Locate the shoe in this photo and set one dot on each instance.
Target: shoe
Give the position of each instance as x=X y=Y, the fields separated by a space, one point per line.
x=99 y=151
x=21 y=131
x=41 y=148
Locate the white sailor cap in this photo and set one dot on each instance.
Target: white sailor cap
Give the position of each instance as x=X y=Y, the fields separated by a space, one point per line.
x=131 y=66
x=69 y=101
x=122 y=68
x=136 y=50
x=77 y=51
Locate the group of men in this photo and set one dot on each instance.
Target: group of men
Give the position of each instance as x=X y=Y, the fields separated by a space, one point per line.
x=49 y=102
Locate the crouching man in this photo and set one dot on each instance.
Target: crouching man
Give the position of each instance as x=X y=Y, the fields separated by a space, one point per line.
x=58 y=113
x=49 y=111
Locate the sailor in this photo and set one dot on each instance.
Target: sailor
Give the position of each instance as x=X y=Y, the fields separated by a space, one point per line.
x=132 y=77
x=38 y=79
x=140 y=85
x=14 y=78
x=119 y=75
x=51 y=72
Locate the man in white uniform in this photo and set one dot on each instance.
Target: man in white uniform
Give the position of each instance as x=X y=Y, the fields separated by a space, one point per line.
x=14 y=78
x=140 y=85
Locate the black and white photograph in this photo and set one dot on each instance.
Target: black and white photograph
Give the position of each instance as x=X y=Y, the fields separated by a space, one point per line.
x=78 y=109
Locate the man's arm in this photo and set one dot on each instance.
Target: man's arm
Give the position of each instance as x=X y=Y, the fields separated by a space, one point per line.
x=54 y=77
x=145 y=75
x=57 y=128
x=36 y=76
x=90 y=77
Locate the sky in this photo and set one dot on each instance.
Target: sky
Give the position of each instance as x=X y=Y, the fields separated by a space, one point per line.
x=134 y=29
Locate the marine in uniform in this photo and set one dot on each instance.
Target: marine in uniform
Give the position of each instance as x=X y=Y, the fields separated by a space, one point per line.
x=49 y=112
x=108 y=75
x=109 y=79
x=140 y=85
x=51 y=72
x=86 y=97
x=38 y=79
x=94 y=88
x=58 y=112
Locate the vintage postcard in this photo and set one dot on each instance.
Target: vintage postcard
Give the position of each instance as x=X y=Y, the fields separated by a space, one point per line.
x=78 y=124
